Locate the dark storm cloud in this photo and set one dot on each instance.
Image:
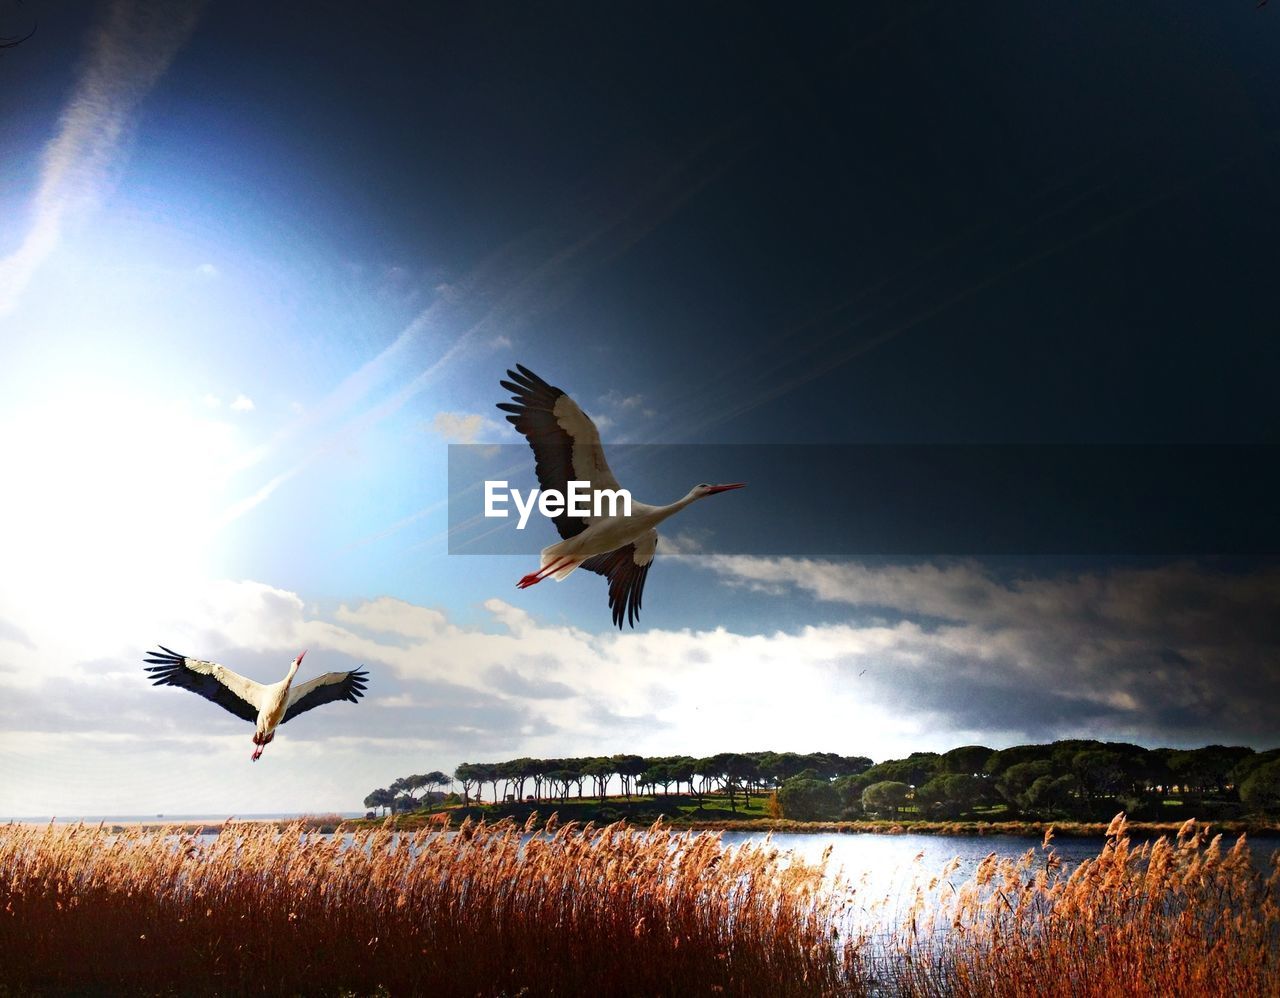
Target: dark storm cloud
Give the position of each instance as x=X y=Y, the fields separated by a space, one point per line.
x=1159 y=652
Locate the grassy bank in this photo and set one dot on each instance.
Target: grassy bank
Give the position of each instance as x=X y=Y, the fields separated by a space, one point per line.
x=715 y=814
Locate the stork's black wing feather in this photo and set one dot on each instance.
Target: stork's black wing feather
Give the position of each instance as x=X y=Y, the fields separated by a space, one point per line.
x=626 y=581
x=533 y=413
x=326 y=689
x=168 y=668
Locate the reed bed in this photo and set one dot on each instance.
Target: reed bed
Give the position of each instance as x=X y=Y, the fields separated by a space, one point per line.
x=1177 y=916
x=501 y=910
x=483 y=911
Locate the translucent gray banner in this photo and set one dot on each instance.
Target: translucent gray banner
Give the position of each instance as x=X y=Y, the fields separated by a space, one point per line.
x=911 y=500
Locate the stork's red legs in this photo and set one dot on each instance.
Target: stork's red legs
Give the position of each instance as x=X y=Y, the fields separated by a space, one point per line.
x=533 y=578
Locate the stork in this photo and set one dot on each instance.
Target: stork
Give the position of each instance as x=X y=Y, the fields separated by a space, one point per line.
x=566 y=448
x=267 y=705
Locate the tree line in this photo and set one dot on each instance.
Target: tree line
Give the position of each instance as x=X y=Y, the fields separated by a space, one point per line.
x=1072 y=779
x=734 y=774
x=1081 y=779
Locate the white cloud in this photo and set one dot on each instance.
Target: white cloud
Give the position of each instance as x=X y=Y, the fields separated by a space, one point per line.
x=77 y=707
x=129 y=52
x=615 y=399
x=211 y=401
x=208 y=271
x=463 y=428
x=440 y=693
x=386 y=615
x=242 y=403
x=684 y=542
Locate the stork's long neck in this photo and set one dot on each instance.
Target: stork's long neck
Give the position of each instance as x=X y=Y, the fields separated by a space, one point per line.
x=660 y=513
x=293 y=671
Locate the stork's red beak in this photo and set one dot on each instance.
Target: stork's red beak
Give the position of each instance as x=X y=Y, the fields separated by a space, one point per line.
x=724 y=488
x=300 y=656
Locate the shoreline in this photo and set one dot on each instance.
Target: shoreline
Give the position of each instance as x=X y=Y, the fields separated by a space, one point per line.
x=974 y=829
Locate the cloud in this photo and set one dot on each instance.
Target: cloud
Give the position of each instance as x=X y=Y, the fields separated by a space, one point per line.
x=11 y=633
x=242 y=403
x=685 y=542
x=211 y=401
x=942 y=655
x=616 y=400
x=128 y=53
x=1177 y=651
x=441 y=693
x=463 y=428
x=386 y=615
x=208 y=271
x=517 y=684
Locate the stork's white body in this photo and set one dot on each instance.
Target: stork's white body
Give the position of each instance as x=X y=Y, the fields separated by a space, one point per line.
x=608 y=533
x=273 y=700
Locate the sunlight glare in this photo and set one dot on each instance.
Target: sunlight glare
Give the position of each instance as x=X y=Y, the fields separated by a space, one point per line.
x=111 y=503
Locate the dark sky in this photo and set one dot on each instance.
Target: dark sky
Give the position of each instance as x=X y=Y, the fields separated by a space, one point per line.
x=910 y=221
x=907 y=221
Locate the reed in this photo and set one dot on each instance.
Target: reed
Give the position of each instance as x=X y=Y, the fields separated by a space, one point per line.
x=505 y=910
x=483 y=911
x=1180 y=915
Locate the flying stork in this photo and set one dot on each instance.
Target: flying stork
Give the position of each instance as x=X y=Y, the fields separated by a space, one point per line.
x=267 y=705
x=566 y=448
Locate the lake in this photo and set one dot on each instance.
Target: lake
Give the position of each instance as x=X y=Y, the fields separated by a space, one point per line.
x=883 y=870
x=880 y=855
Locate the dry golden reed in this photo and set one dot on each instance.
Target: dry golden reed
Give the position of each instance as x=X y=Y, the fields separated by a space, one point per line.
x=482 y=911
x=499 y=910
x=1171 y=917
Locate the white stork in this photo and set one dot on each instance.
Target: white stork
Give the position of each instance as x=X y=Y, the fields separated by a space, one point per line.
x=267 y=705
x=566 y=448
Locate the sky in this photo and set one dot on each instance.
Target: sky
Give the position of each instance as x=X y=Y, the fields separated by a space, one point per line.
x=262 y=264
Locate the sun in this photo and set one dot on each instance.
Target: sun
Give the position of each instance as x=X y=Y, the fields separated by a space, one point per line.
x=111 y=498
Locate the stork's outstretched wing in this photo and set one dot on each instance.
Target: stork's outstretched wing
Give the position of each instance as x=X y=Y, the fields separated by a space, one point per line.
x=325 y=689
x=566 y=444
x=215 y=682
x=626 y=569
